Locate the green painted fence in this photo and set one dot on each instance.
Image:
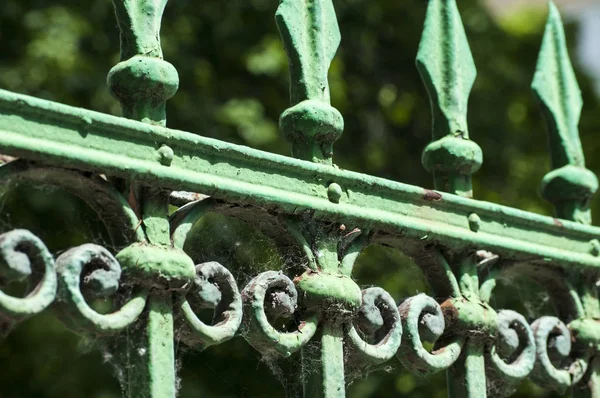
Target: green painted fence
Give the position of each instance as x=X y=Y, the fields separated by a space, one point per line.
x=130 y=171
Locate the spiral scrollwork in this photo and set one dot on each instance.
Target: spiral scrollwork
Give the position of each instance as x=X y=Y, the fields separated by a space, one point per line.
x=24 y=255
x=553 y=368
x=512 y=358
x=214 y=288
x=100 y=279
x=378 y=314
x=423 y=320
x=274 y=292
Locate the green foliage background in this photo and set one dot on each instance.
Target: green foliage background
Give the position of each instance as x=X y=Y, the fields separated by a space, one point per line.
x=234 y=85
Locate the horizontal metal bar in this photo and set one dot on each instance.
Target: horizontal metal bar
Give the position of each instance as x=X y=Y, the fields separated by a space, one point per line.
x=61 y=135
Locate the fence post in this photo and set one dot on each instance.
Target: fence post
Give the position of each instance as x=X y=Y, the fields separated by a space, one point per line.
x=569 y=187
x=143 y=82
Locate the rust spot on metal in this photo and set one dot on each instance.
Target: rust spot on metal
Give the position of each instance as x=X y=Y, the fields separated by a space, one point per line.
x=432 y=195
x=301 y=326
x=449 y=310
x=354 y=231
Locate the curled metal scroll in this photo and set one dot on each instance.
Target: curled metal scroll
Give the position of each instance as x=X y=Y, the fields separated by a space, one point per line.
x=378 y=310
x=553 y=345
x=277 y=292
x=101 y=279
x=214 y=288
x=513 y=356
x=422 y=319
x=22 y=255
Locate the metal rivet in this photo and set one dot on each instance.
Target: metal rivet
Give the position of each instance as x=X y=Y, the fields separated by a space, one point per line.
x=166 y=155
x=474 y=222
x=334 y=192
x=594 y=247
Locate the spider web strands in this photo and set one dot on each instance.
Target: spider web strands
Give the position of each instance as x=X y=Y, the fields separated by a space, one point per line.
x=61 y=135
x=448 y=71
x=569 y=186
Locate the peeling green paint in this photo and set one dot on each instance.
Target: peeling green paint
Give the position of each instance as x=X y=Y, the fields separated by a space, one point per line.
x=157 y=266
x=570 y=186
x=448 y=71
x=311 y=38
x=463 y=246
x=58 y=135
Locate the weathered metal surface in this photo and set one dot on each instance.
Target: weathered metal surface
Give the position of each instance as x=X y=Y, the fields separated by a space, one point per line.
x=486 y=352
x=103 y=280
x=422 y=315
x=214 y=288
x=553 y=340
x=143 y=82
x=378 y=310
x=147 y=357
x=284 y=300
x=569 y=186
x=22 y=254
x=311 y=37
x=65 y=136
x=332 y=310
x=328 y=215
x=448 y=71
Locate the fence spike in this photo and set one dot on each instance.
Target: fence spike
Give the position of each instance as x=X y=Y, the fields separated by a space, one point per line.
x=142 y=81
x=311 y=37
x=569 y=186
x=139 y=25
x=448 y=71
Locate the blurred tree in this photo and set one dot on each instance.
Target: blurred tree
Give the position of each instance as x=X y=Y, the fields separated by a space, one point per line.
x=234 y=85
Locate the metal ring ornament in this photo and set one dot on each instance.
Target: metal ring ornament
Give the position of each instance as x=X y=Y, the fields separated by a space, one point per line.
x=214 y=288
x=551 y=333
x=102 y=281
x=513 y=333
x=422 y=316
x=282 y=298
x=23 y=254
x=378 y=310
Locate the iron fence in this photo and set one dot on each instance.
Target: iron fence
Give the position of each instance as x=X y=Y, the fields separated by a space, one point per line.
x=130 y=170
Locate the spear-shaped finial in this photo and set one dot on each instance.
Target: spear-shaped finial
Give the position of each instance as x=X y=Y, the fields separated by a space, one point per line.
x=142 y=81
x=446 y=66
x=569 y=186
x=311 y=36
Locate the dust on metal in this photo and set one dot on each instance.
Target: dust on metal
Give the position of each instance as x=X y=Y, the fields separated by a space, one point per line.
x=463 y=246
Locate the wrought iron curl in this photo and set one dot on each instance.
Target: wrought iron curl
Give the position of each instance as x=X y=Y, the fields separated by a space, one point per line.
x=94 y=270
x=22 y=255
x=377 y=315
x=465 y=326
x=213 y=288
x=423 y=320
x=553 y=346
x=513 y=356
x=275 y=291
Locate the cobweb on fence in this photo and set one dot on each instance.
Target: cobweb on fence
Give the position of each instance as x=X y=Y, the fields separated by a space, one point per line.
x=63 y=221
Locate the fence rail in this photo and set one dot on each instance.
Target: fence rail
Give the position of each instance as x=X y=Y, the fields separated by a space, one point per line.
x=129 y=171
